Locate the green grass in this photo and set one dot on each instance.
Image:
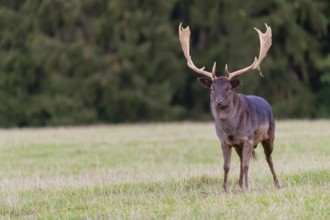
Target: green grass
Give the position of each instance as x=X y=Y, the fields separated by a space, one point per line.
x=159 y=171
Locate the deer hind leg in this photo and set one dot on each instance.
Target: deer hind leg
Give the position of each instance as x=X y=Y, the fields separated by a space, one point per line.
x=239 y=151
x=268 y=149
x=226 y=151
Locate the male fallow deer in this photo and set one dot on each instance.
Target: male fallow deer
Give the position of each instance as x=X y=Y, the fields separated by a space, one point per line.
x=241 y=121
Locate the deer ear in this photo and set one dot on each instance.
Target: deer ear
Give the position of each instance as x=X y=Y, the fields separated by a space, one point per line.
x=235 y=83
x=205 y=82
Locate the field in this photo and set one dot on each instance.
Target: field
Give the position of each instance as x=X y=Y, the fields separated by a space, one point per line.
x=159 y=171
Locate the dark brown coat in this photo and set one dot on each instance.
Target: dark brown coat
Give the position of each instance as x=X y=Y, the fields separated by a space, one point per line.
x=241 y=122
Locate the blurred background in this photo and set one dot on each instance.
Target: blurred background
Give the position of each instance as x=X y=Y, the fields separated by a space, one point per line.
x=69 y=62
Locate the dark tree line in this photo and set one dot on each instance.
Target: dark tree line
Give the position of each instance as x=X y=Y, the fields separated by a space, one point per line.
x=97 y=61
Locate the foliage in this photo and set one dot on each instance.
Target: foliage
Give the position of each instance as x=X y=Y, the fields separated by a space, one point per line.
x=91 y=61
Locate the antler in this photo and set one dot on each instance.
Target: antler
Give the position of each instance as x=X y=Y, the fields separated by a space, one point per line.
x=184 y=37
x=265 y=43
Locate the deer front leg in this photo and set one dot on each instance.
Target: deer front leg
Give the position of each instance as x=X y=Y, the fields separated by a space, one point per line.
x=239 y=153
x=247 y=153
x=226 y=151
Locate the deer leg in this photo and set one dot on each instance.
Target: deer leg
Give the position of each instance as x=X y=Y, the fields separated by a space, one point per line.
x=226 y=151
x=268 y=149
x=239 y=152
x=247 y=153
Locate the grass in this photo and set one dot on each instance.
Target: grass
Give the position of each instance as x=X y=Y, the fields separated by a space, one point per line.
x=159 y=171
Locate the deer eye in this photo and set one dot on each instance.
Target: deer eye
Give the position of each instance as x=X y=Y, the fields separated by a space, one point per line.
x=228 y=89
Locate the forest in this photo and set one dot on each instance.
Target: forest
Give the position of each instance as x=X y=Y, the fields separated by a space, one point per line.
x=74 y=62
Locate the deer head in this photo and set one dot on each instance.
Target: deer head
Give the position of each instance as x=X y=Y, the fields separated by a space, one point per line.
x=222 y=88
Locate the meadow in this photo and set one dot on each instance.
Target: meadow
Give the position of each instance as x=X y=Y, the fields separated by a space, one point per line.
x=159 y=171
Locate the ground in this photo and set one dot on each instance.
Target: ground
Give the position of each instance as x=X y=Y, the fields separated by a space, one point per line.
x=159 y=171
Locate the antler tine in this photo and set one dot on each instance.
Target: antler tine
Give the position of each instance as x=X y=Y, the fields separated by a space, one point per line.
x=265 y=40
x=226 y=70
x=184 y=37
x=214 y=76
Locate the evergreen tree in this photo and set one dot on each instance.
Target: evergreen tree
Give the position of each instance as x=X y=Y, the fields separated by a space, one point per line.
x=91 y=61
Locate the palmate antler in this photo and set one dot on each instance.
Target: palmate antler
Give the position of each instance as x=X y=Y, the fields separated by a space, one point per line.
x=184 y=37
x=265 y=40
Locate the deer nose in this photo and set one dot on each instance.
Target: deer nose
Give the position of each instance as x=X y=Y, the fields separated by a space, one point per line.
x=219 y=101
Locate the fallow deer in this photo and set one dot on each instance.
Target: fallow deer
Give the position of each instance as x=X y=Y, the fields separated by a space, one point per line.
x=241 y=121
